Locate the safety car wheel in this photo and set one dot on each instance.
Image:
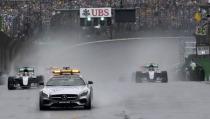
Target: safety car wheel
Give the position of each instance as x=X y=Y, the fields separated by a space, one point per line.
x=41 y=106
x=89 y=104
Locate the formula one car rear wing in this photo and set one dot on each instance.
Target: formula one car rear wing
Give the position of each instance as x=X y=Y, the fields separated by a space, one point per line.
x=151 y=65
x=25 y=69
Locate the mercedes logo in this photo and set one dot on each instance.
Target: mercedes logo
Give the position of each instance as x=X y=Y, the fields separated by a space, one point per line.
x=64 y=97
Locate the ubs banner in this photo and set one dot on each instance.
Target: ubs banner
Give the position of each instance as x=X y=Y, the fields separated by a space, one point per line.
x=95 y=12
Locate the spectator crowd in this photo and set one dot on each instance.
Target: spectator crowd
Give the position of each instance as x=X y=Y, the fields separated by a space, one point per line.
x=21 y=19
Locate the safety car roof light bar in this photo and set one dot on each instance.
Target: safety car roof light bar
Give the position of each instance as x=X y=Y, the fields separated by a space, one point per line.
x=65 y=71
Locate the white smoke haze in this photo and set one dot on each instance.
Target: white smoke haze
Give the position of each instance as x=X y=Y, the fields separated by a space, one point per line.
x=110 y=65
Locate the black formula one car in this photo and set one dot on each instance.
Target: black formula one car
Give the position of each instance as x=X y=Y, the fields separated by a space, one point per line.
x=25 y=79
x=152 y=74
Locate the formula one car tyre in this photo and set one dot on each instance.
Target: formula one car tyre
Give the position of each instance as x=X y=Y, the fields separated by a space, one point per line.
x=200 y=75
x=192 y=75
x=139 y=76
x=164 y=77
x=11 y=83
x=40 y=79
x=1 y=81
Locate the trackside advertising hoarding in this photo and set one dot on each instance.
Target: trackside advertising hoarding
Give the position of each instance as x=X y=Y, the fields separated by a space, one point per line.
x=95 y=12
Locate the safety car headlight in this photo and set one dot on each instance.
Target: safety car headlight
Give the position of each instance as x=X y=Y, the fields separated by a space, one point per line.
x=43 y=95
x=84 y=93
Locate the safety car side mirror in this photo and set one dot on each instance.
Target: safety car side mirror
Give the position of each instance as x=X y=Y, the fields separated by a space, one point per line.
x=90 y=82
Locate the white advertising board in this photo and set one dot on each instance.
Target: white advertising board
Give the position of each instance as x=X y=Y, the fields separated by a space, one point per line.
x=95 y=12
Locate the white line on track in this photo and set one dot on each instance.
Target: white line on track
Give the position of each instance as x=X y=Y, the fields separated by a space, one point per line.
x=127 y=39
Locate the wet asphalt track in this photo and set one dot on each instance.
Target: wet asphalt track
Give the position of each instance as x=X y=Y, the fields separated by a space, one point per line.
x=111 y=65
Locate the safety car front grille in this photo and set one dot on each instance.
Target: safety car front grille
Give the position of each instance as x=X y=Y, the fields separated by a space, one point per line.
x=64 y=97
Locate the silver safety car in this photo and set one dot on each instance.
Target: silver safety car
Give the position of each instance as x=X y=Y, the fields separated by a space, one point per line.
x=66 y=89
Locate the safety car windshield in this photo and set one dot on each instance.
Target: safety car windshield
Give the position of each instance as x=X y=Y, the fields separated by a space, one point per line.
x=66 y=81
